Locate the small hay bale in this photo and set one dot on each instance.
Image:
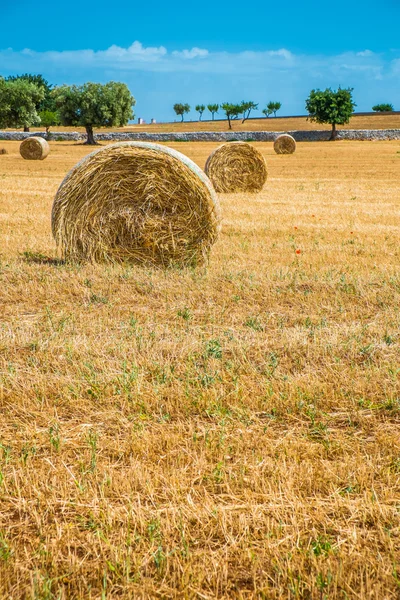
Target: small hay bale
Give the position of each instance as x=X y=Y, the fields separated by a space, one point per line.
x=236 y=167
x=3 y=151
x=136 y=202
x=285 y=144
x=34 y=148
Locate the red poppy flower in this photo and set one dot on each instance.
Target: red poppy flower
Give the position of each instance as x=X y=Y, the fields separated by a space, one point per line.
x=298 y=251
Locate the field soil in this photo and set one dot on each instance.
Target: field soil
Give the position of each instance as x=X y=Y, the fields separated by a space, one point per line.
x=374 y=121
x=230 y=432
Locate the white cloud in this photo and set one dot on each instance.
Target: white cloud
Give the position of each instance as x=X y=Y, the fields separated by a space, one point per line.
x=193 y=53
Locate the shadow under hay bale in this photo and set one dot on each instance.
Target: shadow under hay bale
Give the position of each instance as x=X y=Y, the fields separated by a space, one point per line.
x=236 y=167
x=136 y=202
x=34 y=148
x=285 y=144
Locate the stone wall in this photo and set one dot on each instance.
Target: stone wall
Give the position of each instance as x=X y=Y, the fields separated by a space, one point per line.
x=211 y=136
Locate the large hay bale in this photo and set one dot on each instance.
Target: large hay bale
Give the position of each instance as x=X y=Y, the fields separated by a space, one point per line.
x=34 y=148
x=136 y=202
x=3 y=151
x=236 y=167
x=285 y=144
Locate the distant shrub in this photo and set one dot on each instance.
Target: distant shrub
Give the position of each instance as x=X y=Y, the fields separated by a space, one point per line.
x=383 y=107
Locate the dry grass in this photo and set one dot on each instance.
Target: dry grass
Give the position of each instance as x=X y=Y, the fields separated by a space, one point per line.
x=236 y=167
x=136 y=202
x=230 y=433
x=376 y=121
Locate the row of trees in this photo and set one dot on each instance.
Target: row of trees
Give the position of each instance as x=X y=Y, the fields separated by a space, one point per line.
x=232 y=111
x=29 y=100
x=323 y=106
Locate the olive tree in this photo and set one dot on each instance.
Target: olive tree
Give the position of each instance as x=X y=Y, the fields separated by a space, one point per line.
x=232 y=111
x=48 y=118
x=329 y=106
x=181 y=109
x=213 y=108
x=246 y=108
x=200 y=108
x=267 y=112
x=94 y=105
x=19 y=100
x=273 y=107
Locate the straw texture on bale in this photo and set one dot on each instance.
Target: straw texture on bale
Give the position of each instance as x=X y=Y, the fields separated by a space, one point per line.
x=34 y=148
x=136 y=202
x=285 y=144
x=3 y=151
x=236 y=167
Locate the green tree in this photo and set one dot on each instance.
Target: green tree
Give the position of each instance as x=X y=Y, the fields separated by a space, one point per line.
x=48 y=101
x=213 y=108
x=181 y=109
x=383 y=107
x=267 y=112
x=333 y=107
x=49 y=118
x=246 y=108
x=94 y=105
x=200 y=108
x=274 y=107
x=232 y=111
x=18 y=103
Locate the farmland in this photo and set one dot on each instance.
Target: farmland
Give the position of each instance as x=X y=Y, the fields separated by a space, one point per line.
x=229 y=432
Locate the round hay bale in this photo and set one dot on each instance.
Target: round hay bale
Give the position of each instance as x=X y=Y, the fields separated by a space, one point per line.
x=34 y=148
x=236 y=167
x=285 y=144
x=136 y=202
x=3 y=151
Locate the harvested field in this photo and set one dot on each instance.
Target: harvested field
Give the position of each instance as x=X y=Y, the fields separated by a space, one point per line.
x=221 y=433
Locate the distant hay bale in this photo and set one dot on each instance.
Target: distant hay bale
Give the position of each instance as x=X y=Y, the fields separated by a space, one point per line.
x=136 y=202
x=3 y=151
x=285 y=144
x=236 y=167
x=34 y=148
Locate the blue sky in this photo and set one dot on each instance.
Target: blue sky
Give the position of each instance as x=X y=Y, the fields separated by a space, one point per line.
x=201 y=53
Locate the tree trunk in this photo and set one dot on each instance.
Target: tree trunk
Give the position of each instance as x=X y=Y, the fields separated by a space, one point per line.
x=90 y=137
x=199 y=116
x=26 y=129
x=229 y=122
x=212 y=116
x=333 y=133
x=181 y=118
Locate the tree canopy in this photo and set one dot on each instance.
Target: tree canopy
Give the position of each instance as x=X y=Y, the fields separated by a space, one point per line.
x=232 y=111
x=385 y=107
x=47 y=103
x=48 y=118
x=213 y=108
x=246 y=108
x=329 y=106
x=267 y=112
x=19 y=100
x=94 y=105
x=273 y=107
x=181 y=109
x=200 y=108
